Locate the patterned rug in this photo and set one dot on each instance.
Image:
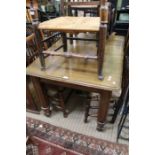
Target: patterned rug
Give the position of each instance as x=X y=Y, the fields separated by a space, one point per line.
x=65 y=142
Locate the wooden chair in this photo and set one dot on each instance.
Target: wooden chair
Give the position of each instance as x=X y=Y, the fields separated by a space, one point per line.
x=58 y=97
x=122 y=125
x=86 y=6
x=121 y=26
x=31 y=11
x=91 y=7
x=31 y=55
x=118 y=98
x=43 y=16
x=102 y=33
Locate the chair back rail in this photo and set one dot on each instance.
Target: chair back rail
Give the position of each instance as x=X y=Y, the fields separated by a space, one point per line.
x=67 y=3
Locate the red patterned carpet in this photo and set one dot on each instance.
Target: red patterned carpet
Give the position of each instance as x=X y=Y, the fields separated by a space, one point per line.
x=47 y=139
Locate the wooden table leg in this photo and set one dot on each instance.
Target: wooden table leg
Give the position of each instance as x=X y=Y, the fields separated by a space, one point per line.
x=30 y=104
x=64 y=39
x=40 y=94
x=103 y=109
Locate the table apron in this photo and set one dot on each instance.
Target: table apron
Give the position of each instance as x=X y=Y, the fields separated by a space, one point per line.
x=74 y=86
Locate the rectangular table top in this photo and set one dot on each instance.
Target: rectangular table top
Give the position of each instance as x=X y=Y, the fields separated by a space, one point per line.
x=84 y=72
x=72 y=24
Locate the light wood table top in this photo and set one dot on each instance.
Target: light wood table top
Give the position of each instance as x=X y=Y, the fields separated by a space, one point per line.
x=72 y=24
x=84 y=72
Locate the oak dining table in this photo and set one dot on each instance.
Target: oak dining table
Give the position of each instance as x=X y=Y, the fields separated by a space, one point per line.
x=81 y=74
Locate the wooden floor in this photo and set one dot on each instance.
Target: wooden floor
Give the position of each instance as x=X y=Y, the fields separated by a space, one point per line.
x=76 y=106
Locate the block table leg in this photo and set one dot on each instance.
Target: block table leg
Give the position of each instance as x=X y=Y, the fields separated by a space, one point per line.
x=103 y=109
x=41 y=96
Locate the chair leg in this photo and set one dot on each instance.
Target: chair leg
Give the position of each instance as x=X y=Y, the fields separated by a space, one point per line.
x=64 y=42
x=123 y=119
x=62 y=104
x=84 y=13
x=87 y=108
x=71 y=41
x=97 y=43
x=117 y=108
x=122 y=99
x=121 y=124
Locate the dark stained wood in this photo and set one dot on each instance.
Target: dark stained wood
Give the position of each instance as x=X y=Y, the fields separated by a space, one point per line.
x=41 y=96
x=102 y=42
x=39 y=46
x=104 y=14
x=62 y=104
x=62 y=10
x=102 y=37
x=103 y=109
x=30 y=104
x=64 y=40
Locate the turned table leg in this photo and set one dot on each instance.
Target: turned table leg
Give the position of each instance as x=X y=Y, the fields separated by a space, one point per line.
x=41 y=96
x=103 y=109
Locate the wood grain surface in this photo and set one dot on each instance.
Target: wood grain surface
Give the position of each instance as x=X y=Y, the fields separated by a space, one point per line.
x=84 y=72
